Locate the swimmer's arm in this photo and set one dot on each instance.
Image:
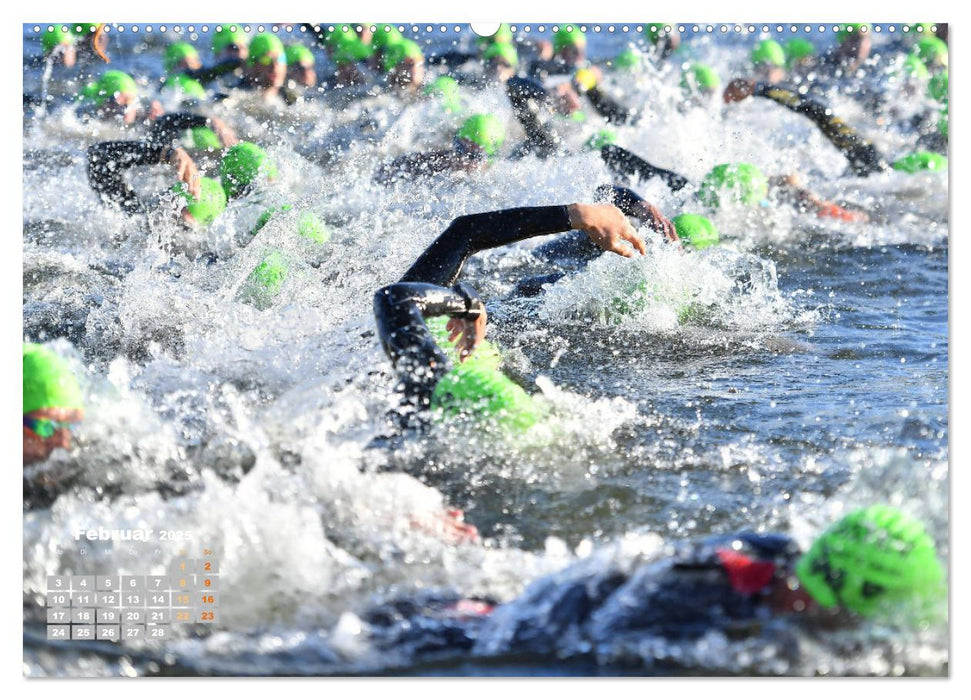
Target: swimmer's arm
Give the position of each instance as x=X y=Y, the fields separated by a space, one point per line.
x=525 y=96
x=443 y=260
x=169 y=127
x=450 y=59
x=609 y=108
x=632 y=204
x=399 y=312
x=623 y=162
x=863 y=156
x=108 y=161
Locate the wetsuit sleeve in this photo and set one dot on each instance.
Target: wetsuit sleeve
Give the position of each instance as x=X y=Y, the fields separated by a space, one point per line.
x=863 y=156
x=623 y=198
x=623 y=162
x=450 y=59
x=609 y=108
x=526 y=96
x=207 y=75
x=169 y=127
x=107 y=163
x=442 y=261
x=399 y=311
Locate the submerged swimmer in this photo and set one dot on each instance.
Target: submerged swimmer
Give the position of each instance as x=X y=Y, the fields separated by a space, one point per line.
x=874 y=562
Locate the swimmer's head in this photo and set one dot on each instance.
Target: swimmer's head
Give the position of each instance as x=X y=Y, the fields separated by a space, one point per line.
x=385 y=35
x=60 y=44
x=446 y=89
x=501 y=61
x=244 y=165
x=344 y=46
x=229 y=41
x=265 y=282
x=202 y=211
x=300 y=65
x=201 y=138
x=187 y=88
x=482 y=132
x=699 y=78
x=267 y=62
x=741 y=183
x=921 y=161
x=798 y=50
x=695 y=231
x=483 y=393
x=52 y=403
x=604 y=137
x=404 y=63
x=869 y=558
x=115 y=93
x=181 y=56
x=769 y=59
x=570 y=44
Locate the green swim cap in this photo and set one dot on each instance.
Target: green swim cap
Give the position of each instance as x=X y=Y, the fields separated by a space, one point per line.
x=48 y=381
x=915 y=68
x=485 y=354
x=503 y=35
x=224 y=36
x=602 y=138
x=769 y=52
x=483 y=392
x=189 y=87
x=263 y=45
x=797 y=49
x=178 y=52
x=85 y=27
x=568 y=35
x=506 y=52
x=695 y=231
x=845 y=31
x=654 y=30
x=447 y=90
x=701 y=78
x=485 y=131
x=932 y=51
x=384 y=36
x=937 y=87
x=871 y=556
x=627 y=59
x=50 y=40
x=745 y=184
x=921 y=160
x=242 y=164
x=298 y=54
x=210 y=204
x=396 y=53
x=266 y=281
x=113 y=82
x=201 y=138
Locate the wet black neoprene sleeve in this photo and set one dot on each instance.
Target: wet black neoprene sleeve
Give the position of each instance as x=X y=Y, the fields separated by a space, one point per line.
x=442 y=261
x=107 y=162
x=623 y=162
x=609 y=108
x=170 y=126
x=399 y=311
x=863 y=156
x=207 y=75
x=526 y=96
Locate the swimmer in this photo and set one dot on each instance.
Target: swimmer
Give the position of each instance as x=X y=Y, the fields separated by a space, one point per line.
x=871 y=564
x=52 y=403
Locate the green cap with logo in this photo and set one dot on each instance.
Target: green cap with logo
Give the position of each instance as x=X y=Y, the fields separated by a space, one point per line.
x=695 y=231
x=869 y=558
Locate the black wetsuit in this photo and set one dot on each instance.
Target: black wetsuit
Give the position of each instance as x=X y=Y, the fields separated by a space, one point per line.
x=864 y=158
x=108 y=160
x=722 y=583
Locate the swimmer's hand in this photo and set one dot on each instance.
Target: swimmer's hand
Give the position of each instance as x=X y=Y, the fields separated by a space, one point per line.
x=738 y=90
x=185 y=169
x=472 y=331
x=226 y=135
x=566 y=99
x=652 y=216
x=607 y=227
